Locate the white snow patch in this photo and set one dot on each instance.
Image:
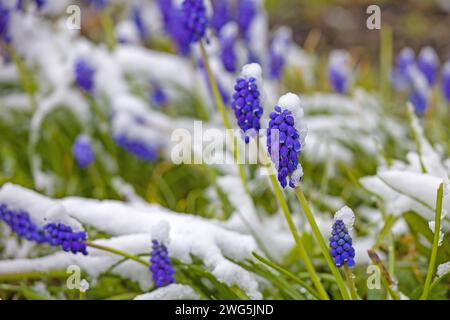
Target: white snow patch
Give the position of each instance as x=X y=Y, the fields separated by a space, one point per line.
x=171 y=292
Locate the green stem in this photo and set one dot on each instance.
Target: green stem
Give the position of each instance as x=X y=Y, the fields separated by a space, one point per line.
x=434 y=250
x=223 y=112
x=323 y=246
x=303 y=254
x=351 y=282
x=118 y=252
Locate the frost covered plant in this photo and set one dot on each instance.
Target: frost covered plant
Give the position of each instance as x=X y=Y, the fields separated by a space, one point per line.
x=341 y=242
x=285 y=139
x=404 y=60
x=246 y=101
x=446 y=81
x=195 y=20
x=339 y=71
x=428 y=63
x=137 y=148
x=278 y=49
x=82 y=151
x=161 y=264
x=228 y=37
x=84 y=75
x=221 y=14
x=62 y=235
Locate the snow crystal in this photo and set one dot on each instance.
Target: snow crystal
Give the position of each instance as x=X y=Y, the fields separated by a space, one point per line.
x=443 y=269
x=170 y=292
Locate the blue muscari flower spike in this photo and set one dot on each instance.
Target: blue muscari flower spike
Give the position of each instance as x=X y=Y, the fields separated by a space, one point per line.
x=195 y=20
x=403 y=62
x=82 y=151
x=277 y=51
x=57 y=235
x=84 y=75
x=227 y=39
x=137 y=148
x=221 y=14
x=246 y=101
x=285 y=139
x=178 y=33
x=428 y=63
x=339 y=71
x=165 y=9
x=139 y=23
x=158 y=96
x=161 y=265
x=62 y=235
x=446 y=80
x=420 y=90
x=246 y=13
x=341 y=250
x=4 y=23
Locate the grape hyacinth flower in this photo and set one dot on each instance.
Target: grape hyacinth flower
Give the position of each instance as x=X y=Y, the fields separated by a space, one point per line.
x=20 y=223
x=165 y=9
x=62 y=235
x=246 y=101
x=4 y=22
x=428 y=63
x=420 y=90
x=98 y=5
x=339 y=71
x=286 y=138
x=246 y=13
x=178 y=33
x=136 y=147
x=446 y=80
x=54 y=234
x=84 y=75
x=161 y=264
x=195 y=20
x=82 y=151
x=404 y=60
x=221 y=14
x=158 y=96
x=342 y=250
x=227 y=39
x=139 y=23
x=279 y=46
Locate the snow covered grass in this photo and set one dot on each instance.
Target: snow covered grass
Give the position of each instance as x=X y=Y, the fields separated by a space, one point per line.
x=230 y=231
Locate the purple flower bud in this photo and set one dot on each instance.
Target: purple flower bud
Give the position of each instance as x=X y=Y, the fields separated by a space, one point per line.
x=428 y=63
x=82 y=151
x=161 y=265
x=341 y=250
x=84 y=75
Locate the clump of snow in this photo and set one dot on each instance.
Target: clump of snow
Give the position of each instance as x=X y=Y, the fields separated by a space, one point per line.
x=347 y=216
x=84 y=285
x=290 y=101
x=252 y=70
x=160 y=232
x=171 y=292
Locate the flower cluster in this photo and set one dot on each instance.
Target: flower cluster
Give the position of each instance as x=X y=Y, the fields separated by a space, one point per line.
x=221 y=14
x=404 y=60
x=285 y=139
x=62 y=235
x=277 y=51
x=428 y=63
x=82 y=151
x=246 y=13
x=137 y=148
x=84 y=75
x=195 y=20
x=4 y=22
x=53 y=234
x=161 y=265
x=21 y=224
x=339 y=71
x=165 y=9
x=228 y=38
x=246 y=101
x=342 y=250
